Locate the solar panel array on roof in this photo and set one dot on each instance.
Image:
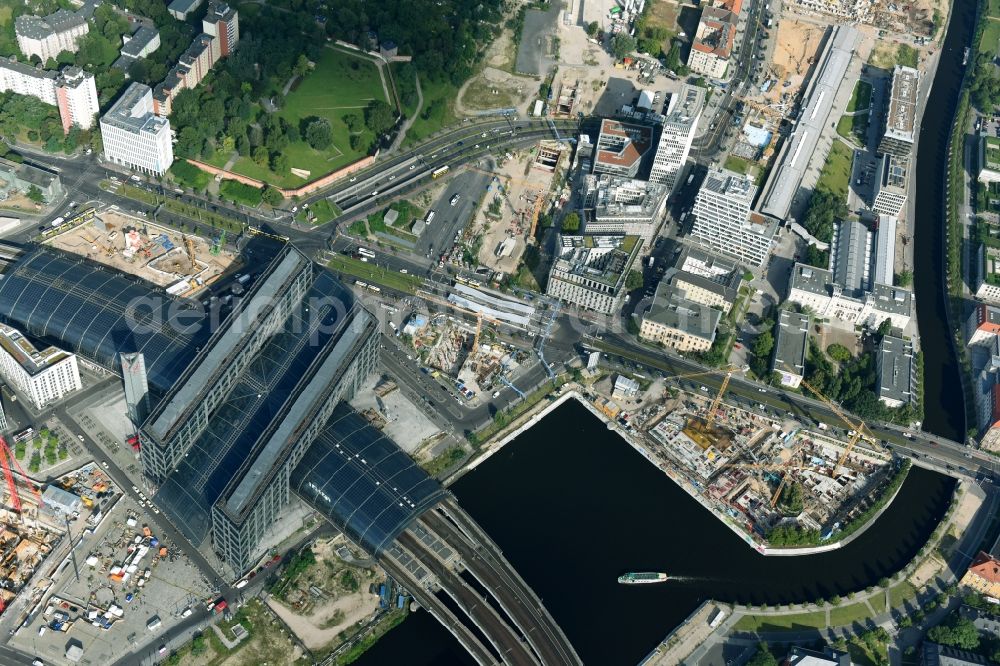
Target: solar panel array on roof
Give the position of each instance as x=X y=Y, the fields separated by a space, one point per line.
x=253 y=404
x=97 y=312
x=362 y=481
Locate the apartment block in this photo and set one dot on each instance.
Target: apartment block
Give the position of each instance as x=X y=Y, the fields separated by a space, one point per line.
x=42 y=376
x=983 y=325
x=590 y=270
x=723 y=220
x=898 y=136
x=47 y=36
x=221 y=28
x=676 y=136
x=134 y=136
x=222 y=23
x=72 y=91
x=713 y=42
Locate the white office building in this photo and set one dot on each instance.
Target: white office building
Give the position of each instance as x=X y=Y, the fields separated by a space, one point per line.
x=675 y=139
x=41 y=376
x=134 y=136
x=624 y=206
x=723 y=221
x=890 y=185
x=47 y=36
x=590 y=271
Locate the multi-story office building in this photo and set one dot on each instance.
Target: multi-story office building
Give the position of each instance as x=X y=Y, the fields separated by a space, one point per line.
x=134 y=136
x=723 y=221
x=73 y=90
x=676 y=136
x=816 y=289
x=890 y=185
x=713 y=42
x=40 y=375
x=623 y=206
x=898 y=136
x=896 y=372
x=621 y=147
x=590 y=271
x=674 y=321
x=47 y=36
x=791 y=345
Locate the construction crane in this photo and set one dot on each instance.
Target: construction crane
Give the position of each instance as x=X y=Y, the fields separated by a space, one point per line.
x=858 y=429
x=189 y=244
x=710 y=417
x=784 y=477
x=535 y=213
x=6 y=458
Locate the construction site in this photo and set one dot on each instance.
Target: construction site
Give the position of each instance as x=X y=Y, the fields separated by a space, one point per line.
x=520 y=191
x=181 y=263
x=756 y=466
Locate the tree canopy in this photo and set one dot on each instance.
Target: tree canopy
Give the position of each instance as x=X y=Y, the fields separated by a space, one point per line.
x=571 y=223
x=622 y=44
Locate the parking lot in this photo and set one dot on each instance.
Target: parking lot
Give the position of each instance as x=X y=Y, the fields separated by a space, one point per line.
x=121 y=580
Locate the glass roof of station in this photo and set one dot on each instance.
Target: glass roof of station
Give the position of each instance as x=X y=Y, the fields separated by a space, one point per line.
x=362 y=481
x=97 y=312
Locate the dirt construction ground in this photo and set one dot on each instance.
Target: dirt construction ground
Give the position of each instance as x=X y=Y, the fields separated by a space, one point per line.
x=797 y=43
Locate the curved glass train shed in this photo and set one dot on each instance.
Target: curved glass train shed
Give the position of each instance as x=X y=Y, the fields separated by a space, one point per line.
x=98 y=312
x=362 y=481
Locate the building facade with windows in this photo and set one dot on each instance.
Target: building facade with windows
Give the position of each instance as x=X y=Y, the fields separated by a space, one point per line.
x=48 y=36
x=724 y=223
x=890 y=185
x=900 y=120
x=73 y=91
x=621 y=147
x=815 y=288
x=673 y=321
x=791 y=344
x=134 y=136
x=624 y=206
x=676 y=136
x=41 y=375
x=896 y=372
x=591 y=270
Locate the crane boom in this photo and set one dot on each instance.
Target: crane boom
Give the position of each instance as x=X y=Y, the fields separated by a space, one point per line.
x=710 y=419
x=858 y=429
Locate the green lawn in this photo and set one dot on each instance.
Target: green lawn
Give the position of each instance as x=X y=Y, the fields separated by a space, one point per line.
x=878 y=603
x=907 y=56
x=845 y=615
x=993 y=8
x=900 y=593
x=320 y=212
x=813 y=620
x=374 y=274
x=737 y=164
x=437 y=112
x=853 y=128
x=189 y=175
x=990 y=41
x=341 y=84
x=234 y=190
x=836 y=174
x=861 y=98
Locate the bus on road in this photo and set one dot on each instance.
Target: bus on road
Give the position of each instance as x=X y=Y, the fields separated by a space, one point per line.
x=437 y=173
x=365 y=252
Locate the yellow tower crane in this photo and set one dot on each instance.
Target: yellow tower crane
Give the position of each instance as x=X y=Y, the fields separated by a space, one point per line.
x=858 y=429
x=189 y=244
x=710 y=417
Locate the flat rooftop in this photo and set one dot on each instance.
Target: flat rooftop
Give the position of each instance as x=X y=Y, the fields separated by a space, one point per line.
x=671 y=309
x=800 y=146
x=635 y=141
x=902 y=113
x=896 y=369
x=791 y=343
x=31 y=359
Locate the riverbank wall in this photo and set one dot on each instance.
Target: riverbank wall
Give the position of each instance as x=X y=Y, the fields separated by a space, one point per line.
x=682 y=481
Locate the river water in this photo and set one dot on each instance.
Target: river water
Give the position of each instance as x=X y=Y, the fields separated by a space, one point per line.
x=573 y=506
